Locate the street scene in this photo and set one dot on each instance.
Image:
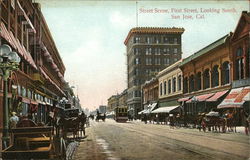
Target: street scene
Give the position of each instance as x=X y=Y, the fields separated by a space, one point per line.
x=120 y=141
x=124 y=80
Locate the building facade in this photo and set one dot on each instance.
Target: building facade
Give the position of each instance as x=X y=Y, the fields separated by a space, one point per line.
x=206 y=77
x=113 y=102
x=38 y=84
x=149 y=50
x=150 y=93
x=170 y=85
x=240 y=52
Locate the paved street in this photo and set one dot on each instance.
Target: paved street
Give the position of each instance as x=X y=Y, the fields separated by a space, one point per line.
x=137 y=141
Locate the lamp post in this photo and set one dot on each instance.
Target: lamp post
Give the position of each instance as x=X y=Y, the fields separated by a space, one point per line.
x=9 y=61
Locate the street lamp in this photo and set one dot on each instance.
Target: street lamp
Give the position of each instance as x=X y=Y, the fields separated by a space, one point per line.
x=9 y=61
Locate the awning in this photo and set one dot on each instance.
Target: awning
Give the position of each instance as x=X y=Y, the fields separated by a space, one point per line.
x=183 y=99
x=153 y=107
x=165 y=109
x=143 y=111
x=235 y=98
x=200 y=98
x=216 y=96
x=247 y=97
x=53 y=83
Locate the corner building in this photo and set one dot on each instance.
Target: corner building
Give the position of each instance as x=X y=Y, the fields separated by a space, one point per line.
x=149 y=50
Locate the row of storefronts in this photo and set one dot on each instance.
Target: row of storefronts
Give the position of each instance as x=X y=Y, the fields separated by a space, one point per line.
x=214 y=78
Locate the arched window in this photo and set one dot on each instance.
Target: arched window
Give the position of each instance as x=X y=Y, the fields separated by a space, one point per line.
x=215 y=76
x=169 y=86
x=239 y=64
x=165 y=87
x=191 y=83
x=161 y=89
x=225 y=79
x=174 y=84
x=179 y=82
x=185 y=85
x=206 y=79
x=248 y=62
x=198 y=81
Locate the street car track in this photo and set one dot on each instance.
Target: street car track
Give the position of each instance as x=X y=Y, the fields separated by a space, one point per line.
x=178 y=143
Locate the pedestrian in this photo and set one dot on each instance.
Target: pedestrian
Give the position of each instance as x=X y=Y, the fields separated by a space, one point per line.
x=247 y=122
x=13 y=120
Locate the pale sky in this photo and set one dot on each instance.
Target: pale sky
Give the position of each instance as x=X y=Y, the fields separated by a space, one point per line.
x=89 y=36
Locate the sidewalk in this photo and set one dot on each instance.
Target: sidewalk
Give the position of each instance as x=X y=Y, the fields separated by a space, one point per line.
x=89 y=149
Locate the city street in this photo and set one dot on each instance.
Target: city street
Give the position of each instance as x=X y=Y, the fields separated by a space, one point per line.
x=137 y=141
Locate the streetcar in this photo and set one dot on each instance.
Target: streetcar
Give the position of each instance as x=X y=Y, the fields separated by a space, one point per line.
x=121 y=114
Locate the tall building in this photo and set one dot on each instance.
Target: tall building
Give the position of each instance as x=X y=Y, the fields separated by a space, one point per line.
x=149 y=50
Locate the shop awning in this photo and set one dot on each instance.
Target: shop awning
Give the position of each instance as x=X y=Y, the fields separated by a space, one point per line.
x=216 y=96
x=235 y=98
x=143 y=111
x=153 y=106
x=184 y=99
x=165 y=109
x=247 y=97
x=200 y=98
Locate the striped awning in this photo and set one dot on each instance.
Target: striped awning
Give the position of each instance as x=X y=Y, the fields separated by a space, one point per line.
x=236 y=98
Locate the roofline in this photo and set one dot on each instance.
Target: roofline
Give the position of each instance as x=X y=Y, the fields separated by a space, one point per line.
x=206 y=49
x=138 y=30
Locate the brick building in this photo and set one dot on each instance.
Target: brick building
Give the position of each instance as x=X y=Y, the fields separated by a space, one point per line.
x=38 y=84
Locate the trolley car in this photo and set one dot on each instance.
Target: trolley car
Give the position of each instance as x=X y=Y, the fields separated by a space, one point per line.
x=121 y=114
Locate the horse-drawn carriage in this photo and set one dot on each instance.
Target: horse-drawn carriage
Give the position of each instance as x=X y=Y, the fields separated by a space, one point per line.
x=32 y=142
x=72 y=121
x=213 y=121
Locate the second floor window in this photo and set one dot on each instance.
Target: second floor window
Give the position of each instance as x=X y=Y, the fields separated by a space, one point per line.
x=169 y=86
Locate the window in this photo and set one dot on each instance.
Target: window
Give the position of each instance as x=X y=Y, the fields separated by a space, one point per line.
x=161 y=89
x=137 y=39
x=175 y=40
x=136 y=51
x=148 y=40
x=165 y=60
x=179 y=82
x=239 y=64
x=191 y=83
x=174 y=84
x=157 y=61
x=165 y=40
x=157 y=51
x=225 y=73
x=198 y=81
x=136 y=71
x=137 y=61
x=148 y=61
x=175 y=50
x=206 y=79
x=165 y=87
x=185 y=85
x=215 y=76
x=248 y=62
x=169 y=86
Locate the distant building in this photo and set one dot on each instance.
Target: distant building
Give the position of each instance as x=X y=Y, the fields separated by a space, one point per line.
x=113 y=102
x=149 y=50
x=102 y=109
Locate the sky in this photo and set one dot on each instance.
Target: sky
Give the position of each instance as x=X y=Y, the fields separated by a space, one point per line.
x=90 y=35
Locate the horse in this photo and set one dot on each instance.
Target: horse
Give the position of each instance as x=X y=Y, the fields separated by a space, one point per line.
x=231 y=122
x=213 y=123
x=82 y=119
